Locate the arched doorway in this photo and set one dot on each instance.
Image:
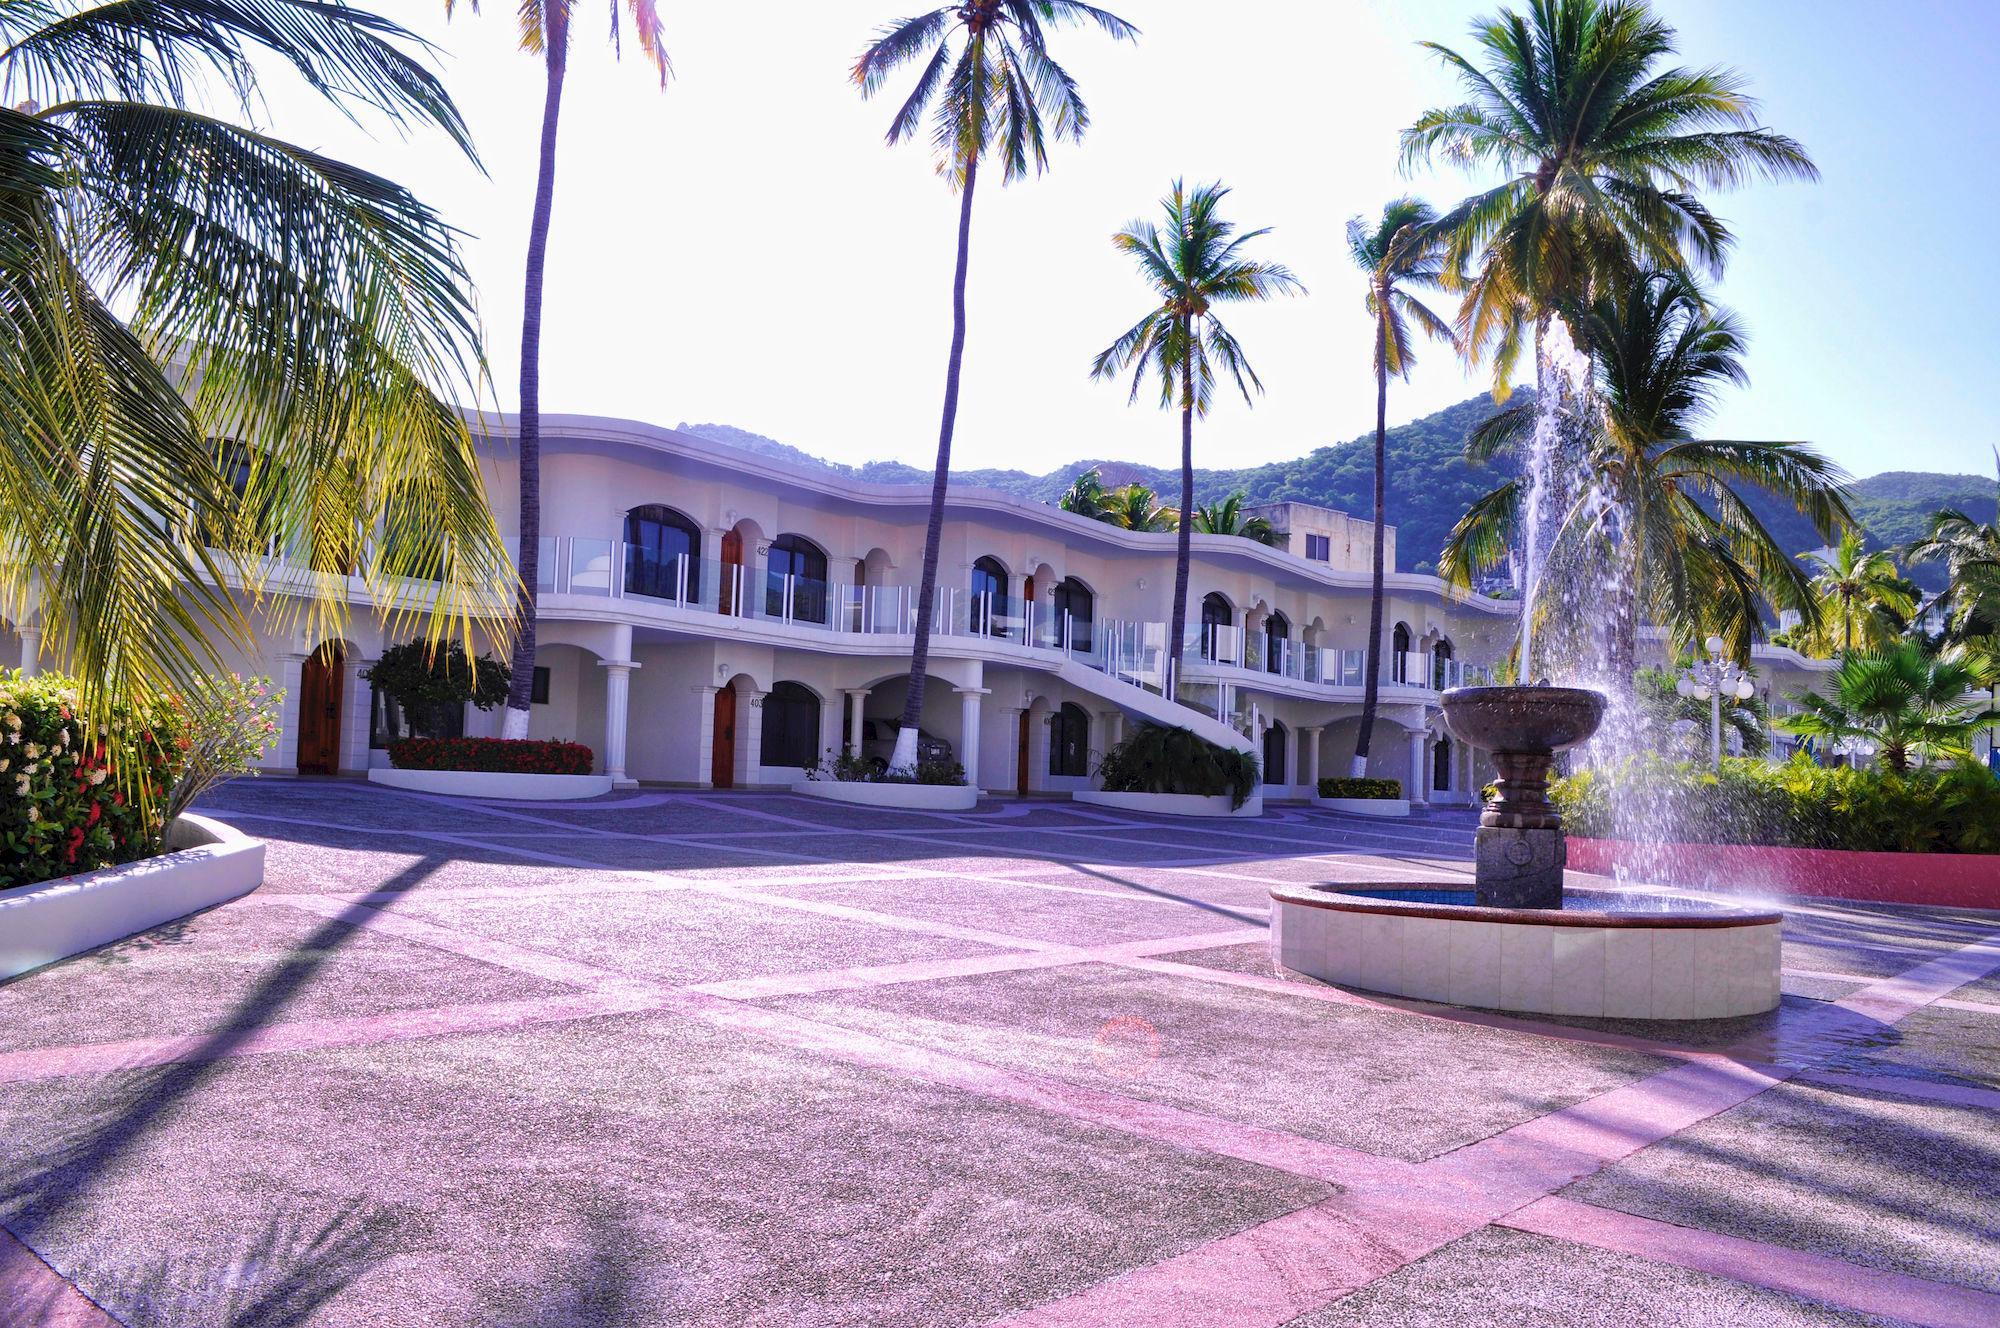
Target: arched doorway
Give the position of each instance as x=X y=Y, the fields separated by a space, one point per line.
x=1441 y=664
x=1069 y=741
x=1441 y=765
x=795 y=584
x=989 y=598
x=1021 y=757
x=319 y=711
x=722 y=750
x=1217 y=620
x=1399 y=653
x=662 y=554
x=1074 y=606
x=791 y=728
x=1274 y=754
x=1277 y=634
x=731 y=594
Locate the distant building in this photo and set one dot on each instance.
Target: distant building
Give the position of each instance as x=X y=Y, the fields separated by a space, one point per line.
x=1323 y=535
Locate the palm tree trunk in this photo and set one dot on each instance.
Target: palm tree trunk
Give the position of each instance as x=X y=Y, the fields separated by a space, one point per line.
x=905 y=757
x=520 y=687
x=1177 y=626
x=1371 y=684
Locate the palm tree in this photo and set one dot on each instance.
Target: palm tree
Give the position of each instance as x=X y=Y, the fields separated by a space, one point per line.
x=1085 y=495
x=312 y=314
x=1661 y=354
x=1136 y=507
x=1970 y=552
x=545 y=28
x=1001 y=88
x=1857 y=588
x=1913 y=704
x=1193 y=262
x=1226 y=518
x=1603 y=151
x=1405 y=248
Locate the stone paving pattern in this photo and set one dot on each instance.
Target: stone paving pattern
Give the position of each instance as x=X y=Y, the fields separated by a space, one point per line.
x=723 y=1059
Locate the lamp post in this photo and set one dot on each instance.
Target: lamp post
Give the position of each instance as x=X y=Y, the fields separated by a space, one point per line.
x=1710 y=680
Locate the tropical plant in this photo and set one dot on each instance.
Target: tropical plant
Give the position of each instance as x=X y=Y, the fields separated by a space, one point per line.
x=223 y=728
x=1403 y=249
x=1912 y=704
x=1136 y=507
x=1603 y=150
x=1665 y=507
x=1156 y=759
x=1970 y=552
x=1862 y=601
x=1085 y=495
x=1193 y=262
x=1671 y=721
x=510 y=756
x=545 y=33
x=987 y=67
x=1372 y=790
x=1226 y=518
x=427 y=680
x=170 y=277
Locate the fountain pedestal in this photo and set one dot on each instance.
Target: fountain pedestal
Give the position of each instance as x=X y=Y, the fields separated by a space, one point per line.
x=1518 y=851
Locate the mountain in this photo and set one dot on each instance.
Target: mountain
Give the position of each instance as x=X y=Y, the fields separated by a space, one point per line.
x=1430 y=483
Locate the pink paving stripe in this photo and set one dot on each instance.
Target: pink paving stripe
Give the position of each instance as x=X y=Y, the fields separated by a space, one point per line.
x=1890 y=999
x=1968 y=1007
x=315 y=1035
x=1950 y=1095
x=1815 y=1276
x=39 y=1295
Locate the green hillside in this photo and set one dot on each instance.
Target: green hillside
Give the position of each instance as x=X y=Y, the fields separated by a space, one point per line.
x=1430 y=484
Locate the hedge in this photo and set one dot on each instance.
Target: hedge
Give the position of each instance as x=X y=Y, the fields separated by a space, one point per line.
x=507 y=756
x=1157 y=759
x=1793 y=805
x=1361 y=788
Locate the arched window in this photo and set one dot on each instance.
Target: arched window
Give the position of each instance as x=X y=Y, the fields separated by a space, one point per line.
x=1441 y=666
x=1216 y=620
x=1073 y=605
x=1399 y=654
x=656 y=540
x=791 y=728
x=1069 y=741
x=989 y=598
x=1441 y=765
x=1277 y=631
x=795 y=586
x=1274 y=755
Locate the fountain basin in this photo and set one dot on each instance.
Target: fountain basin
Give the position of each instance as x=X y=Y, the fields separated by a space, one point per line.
x=1604 y=954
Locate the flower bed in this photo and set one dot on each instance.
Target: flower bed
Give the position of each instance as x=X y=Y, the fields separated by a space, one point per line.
x=1391 y=789
x=511 y=756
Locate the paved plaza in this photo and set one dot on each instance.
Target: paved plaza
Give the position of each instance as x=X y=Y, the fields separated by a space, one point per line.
x=729 y=1059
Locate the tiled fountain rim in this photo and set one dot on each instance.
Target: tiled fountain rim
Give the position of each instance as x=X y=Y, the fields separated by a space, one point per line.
x=1336 y=897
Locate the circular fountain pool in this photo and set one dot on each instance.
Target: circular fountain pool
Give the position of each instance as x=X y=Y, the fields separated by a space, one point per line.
x=1605 y=953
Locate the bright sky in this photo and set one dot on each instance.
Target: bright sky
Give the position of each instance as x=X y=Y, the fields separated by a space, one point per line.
x=743 y=248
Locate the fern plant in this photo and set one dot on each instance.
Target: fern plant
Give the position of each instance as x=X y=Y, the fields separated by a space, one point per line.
x=1157 y=759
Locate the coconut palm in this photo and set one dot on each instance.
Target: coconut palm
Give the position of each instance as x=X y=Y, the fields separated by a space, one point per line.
x=1912 y=704
x=1862 y=600
x=1193 y=262
x=1136 y=507
x=1970 y=552
x=1403 y=249
x=987 y=67
x=1085 y=495
x=545 y=31
x=1226 y=518
x=1602 y=147
x=1664 y=502
x=169 y=277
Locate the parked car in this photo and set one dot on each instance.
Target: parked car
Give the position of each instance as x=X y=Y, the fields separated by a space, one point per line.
x=878 y=743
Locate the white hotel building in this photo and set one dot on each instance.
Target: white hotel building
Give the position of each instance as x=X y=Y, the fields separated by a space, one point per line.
x=713 y=618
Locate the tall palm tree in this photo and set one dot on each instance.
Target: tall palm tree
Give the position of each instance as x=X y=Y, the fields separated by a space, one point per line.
x=545 y=29
x=1910 y=702
x=1085 y=495
x=986 y=63
x=1226 y=518
x=1970 y=552
x=1603 y=150
x=170 y=277
x=1403 y=249
x=1860 y=595
x=1193 y=261
x=1661 y=352
x=1136 y=507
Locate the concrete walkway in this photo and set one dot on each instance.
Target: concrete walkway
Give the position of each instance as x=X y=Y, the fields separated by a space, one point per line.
x=720 y=1059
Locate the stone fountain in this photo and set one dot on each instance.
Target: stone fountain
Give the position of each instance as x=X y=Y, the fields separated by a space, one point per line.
x=1518 y=852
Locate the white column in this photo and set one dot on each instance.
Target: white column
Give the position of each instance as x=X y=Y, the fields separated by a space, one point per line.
x=1038 y=752
x=1309 y=740
x=968 y=738
x=749 y=737
x=31 y=651
x=617 y=716
x=291 y=670
x=1417 y=792
x=1010 y=718
x=704 y=751
x=356 y=712
x=859 y=695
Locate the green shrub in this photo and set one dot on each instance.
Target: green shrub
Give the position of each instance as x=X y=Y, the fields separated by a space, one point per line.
x=72 y=800
x=844 y=768
x=429 y=681
x=1157 y=759
x=1954 y=809
x=1361 y=788
x=505 y=756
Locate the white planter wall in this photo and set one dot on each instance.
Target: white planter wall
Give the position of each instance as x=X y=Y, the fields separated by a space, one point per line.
x=495 y=784
x=916 y=797
x=1366 y=806
x=1172 y=804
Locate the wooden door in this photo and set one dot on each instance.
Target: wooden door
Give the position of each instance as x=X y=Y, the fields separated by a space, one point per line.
x=319 y=712
x=722 y=759
x=732 y=560
x=1021 y=759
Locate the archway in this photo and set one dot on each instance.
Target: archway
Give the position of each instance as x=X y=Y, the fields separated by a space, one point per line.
x=1274 y=755
x=790 y=739
x=989 y=597
x=662 y=554
x=795 y=586
x=320 y=689
x=1069 y=741
x=722 y=745
x=1218 y=626
x=1277 y=636
x=1399 y=653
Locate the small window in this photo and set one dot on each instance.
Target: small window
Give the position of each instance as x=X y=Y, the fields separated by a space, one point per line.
x=1319 y=548
x=538 y=687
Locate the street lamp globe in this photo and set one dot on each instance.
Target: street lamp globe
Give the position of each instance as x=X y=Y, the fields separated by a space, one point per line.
x=1714 y=644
